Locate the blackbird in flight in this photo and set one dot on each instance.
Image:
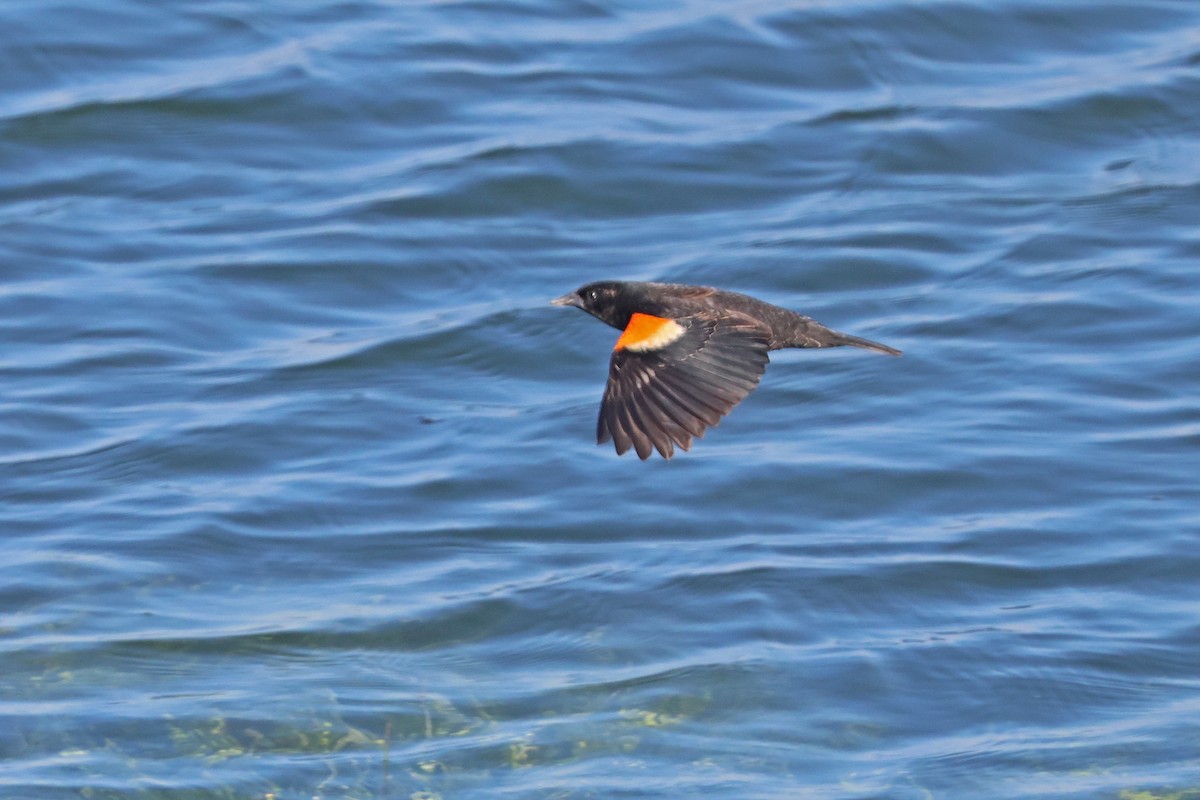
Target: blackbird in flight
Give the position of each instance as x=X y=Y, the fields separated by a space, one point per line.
x=686 y=356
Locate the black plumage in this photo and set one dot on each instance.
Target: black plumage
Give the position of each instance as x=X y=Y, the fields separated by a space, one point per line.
x=687 y=356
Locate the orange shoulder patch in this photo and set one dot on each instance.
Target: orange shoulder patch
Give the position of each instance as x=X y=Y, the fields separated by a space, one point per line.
x=646 y=332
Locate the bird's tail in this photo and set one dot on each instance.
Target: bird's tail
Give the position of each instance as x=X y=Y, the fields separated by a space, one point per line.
x=866 y=344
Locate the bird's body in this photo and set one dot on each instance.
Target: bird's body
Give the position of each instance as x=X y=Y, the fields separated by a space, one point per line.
x=687 y=355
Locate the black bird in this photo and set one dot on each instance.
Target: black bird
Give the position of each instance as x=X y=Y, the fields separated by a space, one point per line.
x=686 y=356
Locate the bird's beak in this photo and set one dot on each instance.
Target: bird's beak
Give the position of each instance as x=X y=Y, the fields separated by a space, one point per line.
x=570 y=299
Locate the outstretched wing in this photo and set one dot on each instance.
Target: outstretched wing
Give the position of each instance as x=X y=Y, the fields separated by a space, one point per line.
x=671 y=379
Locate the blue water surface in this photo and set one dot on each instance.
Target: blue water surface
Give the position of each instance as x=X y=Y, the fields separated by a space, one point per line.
x=299 y=495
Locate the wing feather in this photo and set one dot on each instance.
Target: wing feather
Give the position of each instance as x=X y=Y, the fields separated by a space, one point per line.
x=636 y=428
x=654 y=433
x=682 y=424
x=657 y=399
x=705 y=408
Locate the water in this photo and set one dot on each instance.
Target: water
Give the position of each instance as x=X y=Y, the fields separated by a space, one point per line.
x=299 y=493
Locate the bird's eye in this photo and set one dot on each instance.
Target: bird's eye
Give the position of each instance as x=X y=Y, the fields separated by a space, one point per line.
x=593 y=295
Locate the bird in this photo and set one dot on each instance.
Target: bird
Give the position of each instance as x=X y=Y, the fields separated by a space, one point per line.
x=686 y=356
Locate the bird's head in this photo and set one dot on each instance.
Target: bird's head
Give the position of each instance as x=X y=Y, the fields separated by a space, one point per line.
x=604 y=300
